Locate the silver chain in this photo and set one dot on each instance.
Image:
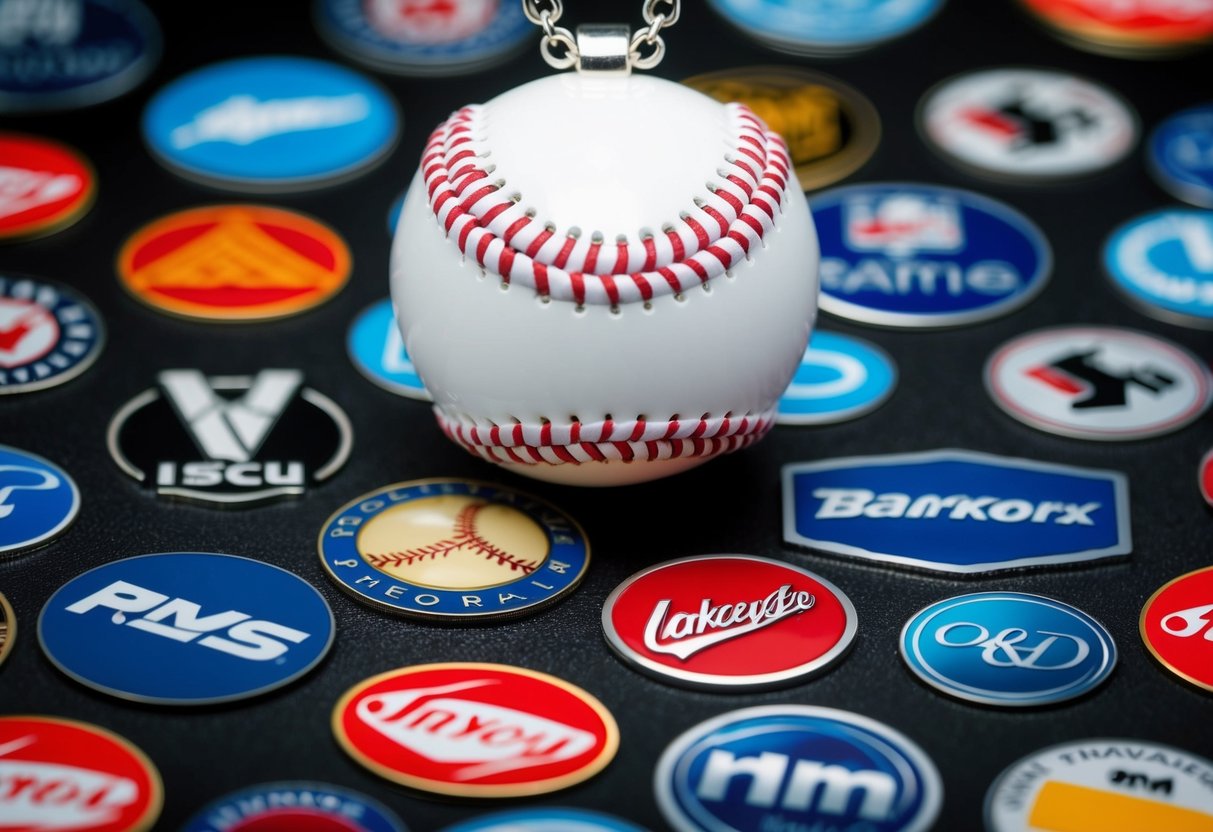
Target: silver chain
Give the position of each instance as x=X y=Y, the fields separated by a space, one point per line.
x=559 y=46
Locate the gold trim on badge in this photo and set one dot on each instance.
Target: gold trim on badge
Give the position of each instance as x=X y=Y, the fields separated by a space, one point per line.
x=831 y=129
x=8 y=628
x=1141 y=629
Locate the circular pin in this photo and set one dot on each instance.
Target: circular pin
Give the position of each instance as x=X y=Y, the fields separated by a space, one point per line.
x=377 y=349
x=44 y=186
x=1162 y=263
x=49 y=334
x=826 y=28
x=234 y=263
x=730 y=622
x=1023 y=124
x=830 y=128
x=912 y=256
x=453 y=549
x=298 y=806
x=1180 y=154
x=839 y=378
x=8 y=628
x=1126 y=28
x=467 y=729
x=1177 y=626
x=456 y=37
x=77 y=776
x=1008 y=649
x=1204 y=477
x=1102 y=783
x=557 y=819
x=271 y=124
x=38 y=501
x=73 y=55
x=1101 y=383
x=185 y=628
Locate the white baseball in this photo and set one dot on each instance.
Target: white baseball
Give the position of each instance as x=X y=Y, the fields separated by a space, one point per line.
x=604 y=280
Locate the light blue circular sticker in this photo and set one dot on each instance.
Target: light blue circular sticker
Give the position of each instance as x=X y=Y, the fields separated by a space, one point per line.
x=1163 y=262
x=839 y=378
x=1180 y=155
x=271 y=123
x=823 y=27
x=38 y=501
x=545 y=820
x=1009 y=649
x=377 y=350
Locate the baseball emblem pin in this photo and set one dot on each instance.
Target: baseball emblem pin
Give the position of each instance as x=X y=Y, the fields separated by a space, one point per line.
x=44 y=186
x=453 y=549
x=467 y=729
x=294 y=806
x=49 y=333
x=1177 y=627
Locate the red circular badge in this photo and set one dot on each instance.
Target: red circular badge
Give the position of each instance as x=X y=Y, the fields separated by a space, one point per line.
x=475 y=730
x=1204 y=476
x=44 y=185
x=1158 y=23
x=60 y=774
x=729 y=621
x=1177 y=626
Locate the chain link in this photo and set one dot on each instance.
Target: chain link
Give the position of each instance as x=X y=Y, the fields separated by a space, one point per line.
x=559 y=47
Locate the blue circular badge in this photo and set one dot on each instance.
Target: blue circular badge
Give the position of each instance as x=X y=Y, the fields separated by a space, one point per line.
x=1009 y=649
x=271 y=123
x=545 y=820
x=38 y=501
x=1180 y=155
x=839 y=378
x=49 y=334
x=448 y=548
x=449 y=38
x=377 y=350
x=317 y=807
x=825 y=27
x=67 y=55
x=1163 y=262
x=912 y=255
x=796 y=767
x=186 y=628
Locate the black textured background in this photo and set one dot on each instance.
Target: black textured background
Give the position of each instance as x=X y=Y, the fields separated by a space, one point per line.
x=729 y=505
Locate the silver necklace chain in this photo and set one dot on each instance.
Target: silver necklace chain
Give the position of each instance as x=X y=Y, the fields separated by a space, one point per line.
x=559 y=45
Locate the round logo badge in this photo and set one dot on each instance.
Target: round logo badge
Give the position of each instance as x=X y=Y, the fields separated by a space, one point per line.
x=377 y=350
x=1102 y=383
x=1177 y=626
x=1025 y=124
x=825 y=27
x=1009 y=649
x=796 y=767
x=76 y=776
x=44 y=186
x=1103 y=784
x=1163 y=263
x=1180 y=154
x=271 y=124
x=454 y=37
x=839 y=378
x=1204 y=477
x=447 y=548
x=234 y=263
x=466 y=729
x=71 y=55
x=38 y=501
x=907 y=255
x=831 y=129
x=728 y=621
x=49 y=334
x=545 y=820
x=8 y=628
x=1127 y=28
x=185 y=628
x=294 y=806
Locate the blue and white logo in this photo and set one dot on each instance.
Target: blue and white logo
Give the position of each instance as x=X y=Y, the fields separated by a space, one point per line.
x=1163 y=261
x=1180 y=155
x=271 y=123
x=377 y=350
x=38 y=501
x=816 y=27
x=839 y=378
x=295 y=805
x=545 y=820
x=906 y=255
x=956 y=511
x=1008 y=648
x=185 y=628
x=796 y=767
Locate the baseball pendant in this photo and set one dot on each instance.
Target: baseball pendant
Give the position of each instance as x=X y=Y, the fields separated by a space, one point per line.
x=604 y=279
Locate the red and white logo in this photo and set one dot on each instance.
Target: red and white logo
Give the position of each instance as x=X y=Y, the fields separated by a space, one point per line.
x=1177 y=626
x=732 y=621
x=431 y=21
x=1204 y=476
x=475 y=730
x=43 y=185
x=59 y=774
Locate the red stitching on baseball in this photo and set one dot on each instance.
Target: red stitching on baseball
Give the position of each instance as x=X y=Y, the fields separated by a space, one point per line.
x=466 y=538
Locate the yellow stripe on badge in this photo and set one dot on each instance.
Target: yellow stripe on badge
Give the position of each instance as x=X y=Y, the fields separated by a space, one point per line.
x=1065 y=807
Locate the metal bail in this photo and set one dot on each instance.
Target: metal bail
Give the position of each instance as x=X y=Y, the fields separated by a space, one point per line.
x=602 y=48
